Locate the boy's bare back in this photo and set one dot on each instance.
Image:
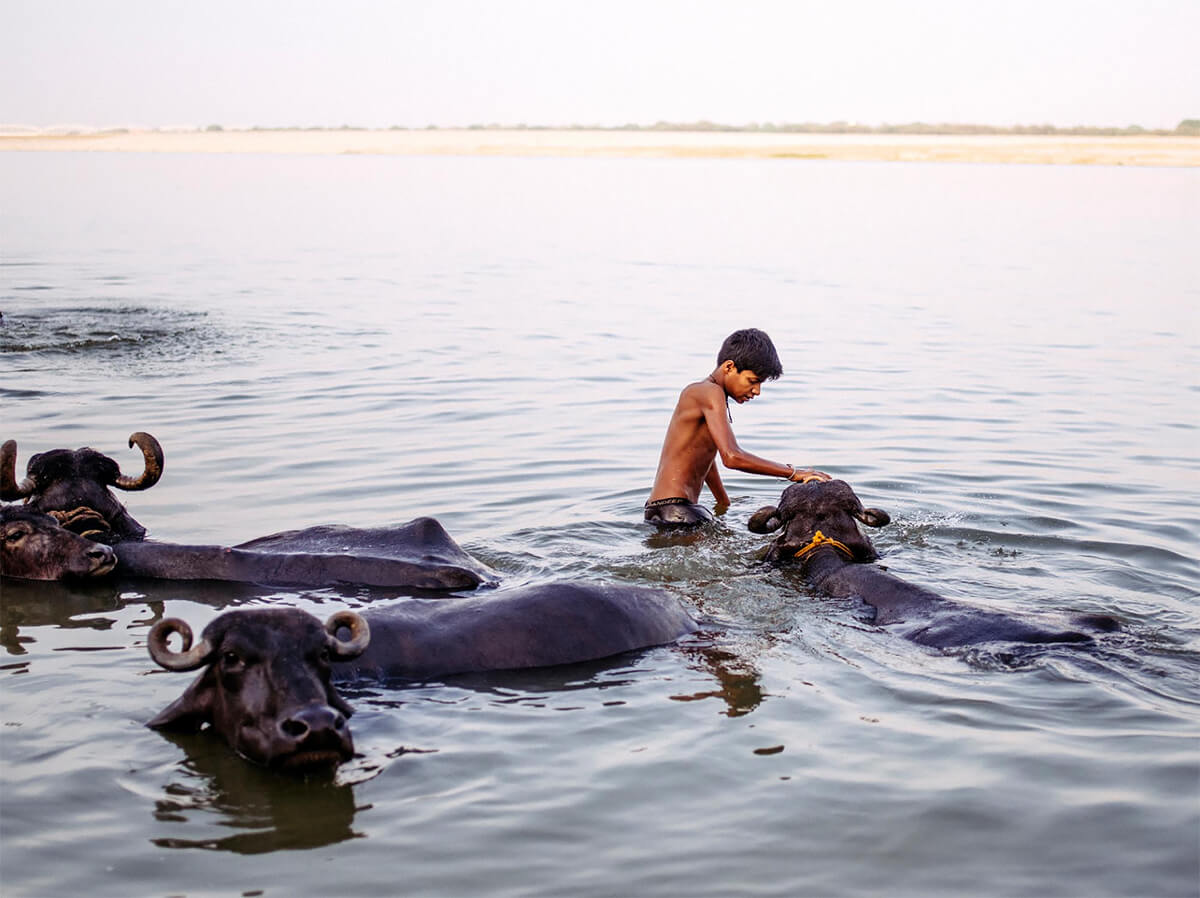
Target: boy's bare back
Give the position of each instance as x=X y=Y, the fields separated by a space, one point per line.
x=690 y=446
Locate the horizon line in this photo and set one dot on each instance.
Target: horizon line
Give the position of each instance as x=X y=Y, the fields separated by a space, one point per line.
x=1186 y=127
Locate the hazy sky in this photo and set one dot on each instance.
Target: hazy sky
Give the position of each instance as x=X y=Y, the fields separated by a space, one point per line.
x=453 y=62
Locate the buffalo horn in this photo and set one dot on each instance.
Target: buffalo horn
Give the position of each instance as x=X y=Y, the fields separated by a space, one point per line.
x=189 y=658
x=8 y=474
x=153 y=454
x=360 y=635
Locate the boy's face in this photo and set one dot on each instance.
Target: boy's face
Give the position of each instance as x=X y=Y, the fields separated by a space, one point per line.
x=741 y=386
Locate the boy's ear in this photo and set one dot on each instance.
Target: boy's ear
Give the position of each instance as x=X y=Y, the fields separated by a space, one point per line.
x=728 y=366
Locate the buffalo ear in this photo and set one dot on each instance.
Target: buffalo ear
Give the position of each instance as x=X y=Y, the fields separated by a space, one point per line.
x=874 y=517
x=765 y=520
x=190 y=711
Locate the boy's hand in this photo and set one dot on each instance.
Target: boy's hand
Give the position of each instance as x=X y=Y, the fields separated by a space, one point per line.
x=807 y=475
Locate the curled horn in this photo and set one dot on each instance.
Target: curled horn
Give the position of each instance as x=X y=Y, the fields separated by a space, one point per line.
x=189 y=658
x=360 y=635
x=153 y=454
x=8 y=474
x=765 y=520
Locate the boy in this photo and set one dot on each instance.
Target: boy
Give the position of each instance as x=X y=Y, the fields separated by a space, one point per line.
x=700 y=429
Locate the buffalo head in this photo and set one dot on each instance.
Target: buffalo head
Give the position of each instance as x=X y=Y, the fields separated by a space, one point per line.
x=73 y=485
x=265 y=688
x=34 y=546
x=806 y=508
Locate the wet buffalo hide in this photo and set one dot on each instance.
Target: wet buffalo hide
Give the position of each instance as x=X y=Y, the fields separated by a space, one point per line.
x=419 y=554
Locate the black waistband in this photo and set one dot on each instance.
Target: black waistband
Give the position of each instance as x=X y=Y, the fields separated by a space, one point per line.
x=673 y=500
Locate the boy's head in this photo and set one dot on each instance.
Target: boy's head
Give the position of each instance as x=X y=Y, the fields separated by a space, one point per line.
x=753 y=349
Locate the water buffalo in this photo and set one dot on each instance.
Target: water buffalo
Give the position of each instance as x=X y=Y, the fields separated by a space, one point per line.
x=266 y=686
x=820 y=534
x=73 y=485
x=34 y=546
x=419 y=554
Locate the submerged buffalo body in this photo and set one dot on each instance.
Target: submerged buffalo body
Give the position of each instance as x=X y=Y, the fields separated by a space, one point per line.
x=73 y=486
x=419 y=554
x=267 y=689
x=34 y=546
x=821 y=534
x=530 y=626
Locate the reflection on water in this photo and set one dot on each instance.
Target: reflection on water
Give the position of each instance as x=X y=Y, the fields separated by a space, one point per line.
x=739 y=684
x=266 y=811
x=32 y=604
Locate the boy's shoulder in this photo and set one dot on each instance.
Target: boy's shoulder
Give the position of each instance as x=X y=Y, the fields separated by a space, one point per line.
x=701 y=393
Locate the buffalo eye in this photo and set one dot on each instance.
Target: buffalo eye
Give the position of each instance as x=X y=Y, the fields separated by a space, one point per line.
x=232 y=662
x=16 y=534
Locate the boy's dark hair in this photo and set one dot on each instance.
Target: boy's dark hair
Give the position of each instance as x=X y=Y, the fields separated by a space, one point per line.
x=753 y=349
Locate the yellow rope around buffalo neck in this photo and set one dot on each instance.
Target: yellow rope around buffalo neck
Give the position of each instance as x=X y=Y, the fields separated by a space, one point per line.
x=820 y=539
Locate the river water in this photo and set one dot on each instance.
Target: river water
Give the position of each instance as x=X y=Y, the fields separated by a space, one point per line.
x=1002 y=357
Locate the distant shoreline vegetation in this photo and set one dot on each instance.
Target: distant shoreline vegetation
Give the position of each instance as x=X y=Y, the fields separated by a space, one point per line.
x=1187 y=127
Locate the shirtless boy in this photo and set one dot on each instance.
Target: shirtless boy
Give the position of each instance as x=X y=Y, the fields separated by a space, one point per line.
x=700 y=430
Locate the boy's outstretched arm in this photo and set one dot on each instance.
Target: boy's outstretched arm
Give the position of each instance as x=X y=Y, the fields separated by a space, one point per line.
x=734 y=456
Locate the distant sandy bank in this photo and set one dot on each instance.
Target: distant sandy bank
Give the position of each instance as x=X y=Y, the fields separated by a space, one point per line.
x=1055 y=150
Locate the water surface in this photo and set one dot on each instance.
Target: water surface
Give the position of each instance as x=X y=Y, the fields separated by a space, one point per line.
x=1003 y=357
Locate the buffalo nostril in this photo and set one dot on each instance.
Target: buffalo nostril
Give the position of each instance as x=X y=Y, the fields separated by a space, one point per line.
x=294 y=728
x=312 y=721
